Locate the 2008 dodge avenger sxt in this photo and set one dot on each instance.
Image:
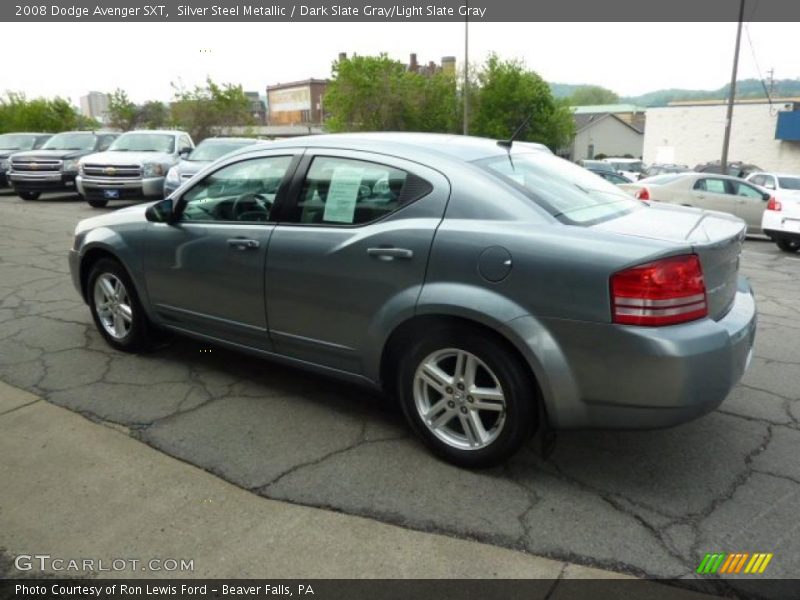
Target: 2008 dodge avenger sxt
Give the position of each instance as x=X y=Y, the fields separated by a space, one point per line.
x=489 y=287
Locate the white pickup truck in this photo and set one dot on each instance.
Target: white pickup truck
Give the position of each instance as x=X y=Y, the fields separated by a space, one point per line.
x=133 y=167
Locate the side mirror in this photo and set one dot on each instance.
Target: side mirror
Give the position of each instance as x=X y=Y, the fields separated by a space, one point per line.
x=766 y=197
x=160 y=212
x=185 y=151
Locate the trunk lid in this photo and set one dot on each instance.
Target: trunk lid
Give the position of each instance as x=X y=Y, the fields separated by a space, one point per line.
x=715 y=237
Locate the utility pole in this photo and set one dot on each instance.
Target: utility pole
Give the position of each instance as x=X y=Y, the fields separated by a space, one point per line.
x=466 y=72
x=729 y=118
x=771 y=81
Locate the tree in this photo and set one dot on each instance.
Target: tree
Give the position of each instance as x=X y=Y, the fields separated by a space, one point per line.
x=210 y=109
x=17 y=113
x=153 y=115
x=592 y=95
x=123 y=114
x=508 y=94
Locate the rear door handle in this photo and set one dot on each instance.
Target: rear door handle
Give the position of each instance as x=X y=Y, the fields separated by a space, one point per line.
x=387 y=253
x=243 y=244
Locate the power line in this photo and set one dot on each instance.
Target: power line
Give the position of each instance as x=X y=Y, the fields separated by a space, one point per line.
x=755 y=61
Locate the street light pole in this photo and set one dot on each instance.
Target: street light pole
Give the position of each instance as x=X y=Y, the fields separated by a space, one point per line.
x=729 y=118
x=466 y=73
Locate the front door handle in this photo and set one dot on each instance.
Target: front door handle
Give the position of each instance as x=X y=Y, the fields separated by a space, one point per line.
x=388 y=253
x=243 y=244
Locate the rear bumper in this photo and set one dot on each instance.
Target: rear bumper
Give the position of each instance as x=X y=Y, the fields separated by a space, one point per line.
x=626 y=377
x=150 y=188
x=43 y=182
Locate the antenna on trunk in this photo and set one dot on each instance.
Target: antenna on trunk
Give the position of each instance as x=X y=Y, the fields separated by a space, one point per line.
x=507 y=143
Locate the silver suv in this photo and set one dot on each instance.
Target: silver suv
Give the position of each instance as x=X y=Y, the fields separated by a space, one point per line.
x=133 y=167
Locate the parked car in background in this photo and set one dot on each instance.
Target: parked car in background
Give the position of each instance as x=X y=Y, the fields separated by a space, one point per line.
x=781 y=221
x=204 y=154
x=597 y=166
x=735 y=169
x=17 y=142
x=664 y=168
x=614 y=178
x=54 y=166
x=405 y=262
x=632 y=168
x=713 y=192
x=133 y=167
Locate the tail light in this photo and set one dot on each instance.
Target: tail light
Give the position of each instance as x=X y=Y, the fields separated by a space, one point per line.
x=642 y=194
x=664 y=292
x=773 y=204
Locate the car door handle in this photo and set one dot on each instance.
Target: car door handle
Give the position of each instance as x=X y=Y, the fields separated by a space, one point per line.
x=701 y=196
x=243 y=244
x=388 y=253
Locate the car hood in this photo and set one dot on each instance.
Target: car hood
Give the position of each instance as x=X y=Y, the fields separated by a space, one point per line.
x=123 y=216
x=129 y=158
x=187 y=168
x=51 y=154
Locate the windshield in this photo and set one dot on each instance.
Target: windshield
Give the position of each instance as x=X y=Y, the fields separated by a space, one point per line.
x=568 y=192
x=17 y=142
x=636 y=166
x=212 y=150
x=790 y=183
x=70 y=141
x=144 y=142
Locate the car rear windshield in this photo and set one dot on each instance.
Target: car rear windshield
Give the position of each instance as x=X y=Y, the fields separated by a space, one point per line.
x=790 y=183
x=70 y=141
x=568 y=192
x=17 y=142
x=214 y=150
x=144 y=142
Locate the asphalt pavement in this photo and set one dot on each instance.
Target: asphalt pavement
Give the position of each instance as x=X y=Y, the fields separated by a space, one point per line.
x=641 y=503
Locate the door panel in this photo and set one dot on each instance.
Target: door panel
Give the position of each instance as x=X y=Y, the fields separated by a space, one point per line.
x=328 y=283
x=750 y=205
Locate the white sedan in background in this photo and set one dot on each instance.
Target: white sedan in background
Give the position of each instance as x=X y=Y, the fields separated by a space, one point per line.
x=781 y=220
x=708 y=191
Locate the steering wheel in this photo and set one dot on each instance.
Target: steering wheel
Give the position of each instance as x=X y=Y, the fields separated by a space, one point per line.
x=263 y=207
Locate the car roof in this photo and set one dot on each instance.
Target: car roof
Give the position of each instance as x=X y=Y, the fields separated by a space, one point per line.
x=459 y=147
x=162 y=131
x=774 y=174
x=26 y=133
x=231 y=139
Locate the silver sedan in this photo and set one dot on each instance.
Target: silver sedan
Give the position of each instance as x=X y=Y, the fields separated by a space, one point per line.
x=491 y=288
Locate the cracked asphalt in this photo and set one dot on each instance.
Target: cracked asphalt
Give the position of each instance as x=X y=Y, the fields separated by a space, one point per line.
x=644 y=503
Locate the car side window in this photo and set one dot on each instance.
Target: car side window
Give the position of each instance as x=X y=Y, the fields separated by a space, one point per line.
x=759 y=179
x=715 y=186
x=769 y=182
x=184 y=142
x=241 y=192
x=104 y=142
x=742 y=189
x=344 y=191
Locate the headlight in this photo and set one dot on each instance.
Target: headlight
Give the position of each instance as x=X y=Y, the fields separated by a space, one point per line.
x=5 y=165
x=174 y=176
x=152 y=169
x=70 y=166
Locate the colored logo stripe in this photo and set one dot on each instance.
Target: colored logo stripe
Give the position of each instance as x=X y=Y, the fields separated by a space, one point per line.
x=734 y=563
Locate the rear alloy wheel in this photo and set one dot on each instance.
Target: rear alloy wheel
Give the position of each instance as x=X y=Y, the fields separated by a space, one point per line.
x=788 y=245
x=97 y=203
x=468 y=397
x=116 y=309
x=29 y=195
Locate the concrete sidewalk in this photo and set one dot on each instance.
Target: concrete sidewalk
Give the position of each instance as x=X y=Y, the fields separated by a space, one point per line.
x=75 y=489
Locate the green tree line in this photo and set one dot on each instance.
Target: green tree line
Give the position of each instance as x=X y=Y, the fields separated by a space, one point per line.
x=376 y=93
x=18 y=113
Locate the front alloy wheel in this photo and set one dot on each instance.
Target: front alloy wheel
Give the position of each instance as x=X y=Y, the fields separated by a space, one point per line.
x=459 y=399
x=113 y=305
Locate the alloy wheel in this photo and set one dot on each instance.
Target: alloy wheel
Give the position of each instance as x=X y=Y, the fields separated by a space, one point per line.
x=113 y=305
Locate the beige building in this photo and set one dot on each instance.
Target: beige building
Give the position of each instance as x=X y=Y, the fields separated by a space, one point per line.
x=95 y=106
x=296 y=103
x=691 y=133
x=604 y=134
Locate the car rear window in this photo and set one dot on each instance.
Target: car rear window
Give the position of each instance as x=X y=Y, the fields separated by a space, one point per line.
x=568 y=192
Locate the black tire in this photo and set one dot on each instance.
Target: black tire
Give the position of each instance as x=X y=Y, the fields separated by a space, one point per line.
x=788 y=245
x=512 y=374
x=138 y=337
x=97 y=202
x=29 y=195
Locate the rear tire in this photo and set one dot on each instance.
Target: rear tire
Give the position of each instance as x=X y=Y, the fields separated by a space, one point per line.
x=468 y=396
x=788 y=245
x=97 y=203
x=29 y=195
x=116 y=309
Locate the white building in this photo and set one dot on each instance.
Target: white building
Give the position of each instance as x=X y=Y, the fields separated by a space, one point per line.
x=691 y=133
x=95 y=106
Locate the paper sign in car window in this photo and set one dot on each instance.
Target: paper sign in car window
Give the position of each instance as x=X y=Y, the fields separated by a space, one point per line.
x=340 y=205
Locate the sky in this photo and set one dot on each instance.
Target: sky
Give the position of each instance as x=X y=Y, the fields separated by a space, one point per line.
x=144 y=58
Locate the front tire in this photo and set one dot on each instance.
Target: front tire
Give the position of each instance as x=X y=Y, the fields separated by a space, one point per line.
x=116 y=309
x=97 y=203
x=29 y=195
x=788 y=245
x=469 y=397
